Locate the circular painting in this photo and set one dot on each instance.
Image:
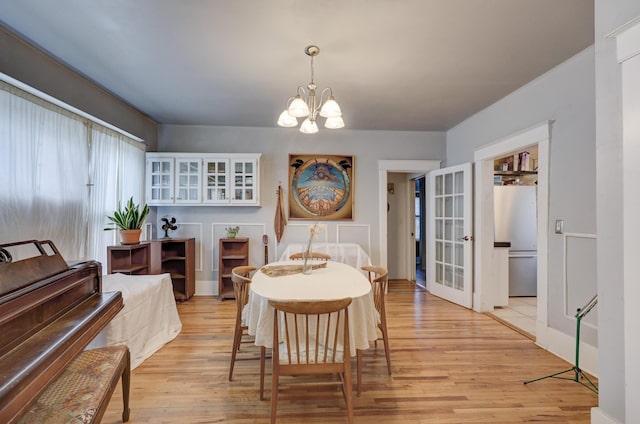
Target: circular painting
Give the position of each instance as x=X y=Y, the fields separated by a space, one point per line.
x=320 y=187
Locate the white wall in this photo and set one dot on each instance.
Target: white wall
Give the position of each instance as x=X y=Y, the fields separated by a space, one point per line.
x=566 y=95
x=610 y=15
x=275 y=144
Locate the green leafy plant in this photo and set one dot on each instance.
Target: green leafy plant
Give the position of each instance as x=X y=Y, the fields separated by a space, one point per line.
x=232 y=232
x=130 y=218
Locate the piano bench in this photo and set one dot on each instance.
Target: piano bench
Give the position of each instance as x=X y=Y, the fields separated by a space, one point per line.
x=82 y=392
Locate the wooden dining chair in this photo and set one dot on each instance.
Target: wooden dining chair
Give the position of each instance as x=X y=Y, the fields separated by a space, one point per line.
x=314 y=255
x=378 y=277
x=311 y=338
x=241 y=278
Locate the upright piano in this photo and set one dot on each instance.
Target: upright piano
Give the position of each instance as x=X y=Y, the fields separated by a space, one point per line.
x=49 y=312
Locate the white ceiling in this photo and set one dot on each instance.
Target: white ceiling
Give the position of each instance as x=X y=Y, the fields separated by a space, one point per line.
x=415 y=65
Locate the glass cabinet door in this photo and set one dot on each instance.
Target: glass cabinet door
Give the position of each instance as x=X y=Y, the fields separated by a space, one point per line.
x=202 y=179
x=244 y=176
x=188 y=180
x=216 y=183
x=159 y=180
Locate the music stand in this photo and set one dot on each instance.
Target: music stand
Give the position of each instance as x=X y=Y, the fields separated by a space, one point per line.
x=578 y=374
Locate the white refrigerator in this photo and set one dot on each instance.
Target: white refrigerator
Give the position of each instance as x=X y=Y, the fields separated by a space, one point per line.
x=516 y=222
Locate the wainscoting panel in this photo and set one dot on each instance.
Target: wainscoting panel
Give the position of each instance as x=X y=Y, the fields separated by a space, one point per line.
x=580 y=285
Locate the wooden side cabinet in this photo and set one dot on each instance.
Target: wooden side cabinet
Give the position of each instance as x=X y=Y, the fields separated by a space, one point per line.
x=130 y=259
x=176 y=257
x=233 y=252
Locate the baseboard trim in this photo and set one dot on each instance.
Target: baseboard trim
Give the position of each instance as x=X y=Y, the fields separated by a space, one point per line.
x=599 y=417
x=206 y=288
x=564 y=346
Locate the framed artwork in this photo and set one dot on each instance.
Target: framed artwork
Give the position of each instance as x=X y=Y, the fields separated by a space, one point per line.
x=320 y=187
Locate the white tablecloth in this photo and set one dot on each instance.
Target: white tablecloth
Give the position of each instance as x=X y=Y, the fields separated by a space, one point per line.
x=149 y=318
x=347 y=253
x=336 y=281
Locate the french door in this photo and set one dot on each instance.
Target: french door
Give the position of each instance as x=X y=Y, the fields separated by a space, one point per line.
x=450 y=256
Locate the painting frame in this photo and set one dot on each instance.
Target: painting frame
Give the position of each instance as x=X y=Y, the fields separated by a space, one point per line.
x=321 y=187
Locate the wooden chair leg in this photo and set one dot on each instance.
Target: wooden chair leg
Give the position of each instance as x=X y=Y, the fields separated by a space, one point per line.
x=262 y=357
x=274 y=393
x=126 y=386
x=359 y=370
x=237 y=337
x=385 y=340
x=346 y=388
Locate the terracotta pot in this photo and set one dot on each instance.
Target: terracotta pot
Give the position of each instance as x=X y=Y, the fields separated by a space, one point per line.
x=130 y=236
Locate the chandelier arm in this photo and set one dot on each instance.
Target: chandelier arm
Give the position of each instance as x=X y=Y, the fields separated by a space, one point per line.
x=289 y=102
x=325 y=90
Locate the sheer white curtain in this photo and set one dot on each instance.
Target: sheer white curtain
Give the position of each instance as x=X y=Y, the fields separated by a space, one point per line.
x=117 y=173
x=61 y=175
x=43 y=161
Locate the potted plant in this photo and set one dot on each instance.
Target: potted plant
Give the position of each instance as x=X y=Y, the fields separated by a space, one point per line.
x=129 y=221
x=232 y=232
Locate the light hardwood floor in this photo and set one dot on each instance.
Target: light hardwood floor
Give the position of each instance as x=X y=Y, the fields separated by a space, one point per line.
x=450 y=365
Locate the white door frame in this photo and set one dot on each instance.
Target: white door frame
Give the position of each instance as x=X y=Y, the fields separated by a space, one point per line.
x=484 y=226
x=385 y=166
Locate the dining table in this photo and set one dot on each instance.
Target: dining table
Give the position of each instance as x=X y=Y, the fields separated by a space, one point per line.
x=330 y=280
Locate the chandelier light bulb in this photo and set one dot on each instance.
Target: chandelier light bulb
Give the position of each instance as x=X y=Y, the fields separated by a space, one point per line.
x=286 y=120
x=334 y=123
x=309 y=127
x=330 y=109
x=298 y=107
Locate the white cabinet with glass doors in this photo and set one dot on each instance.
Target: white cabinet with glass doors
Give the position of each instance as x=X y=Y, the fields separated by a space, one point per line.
x=203 y=179
x=244 y=179
x=187 y=188
x=216 y=180
x=159 y=180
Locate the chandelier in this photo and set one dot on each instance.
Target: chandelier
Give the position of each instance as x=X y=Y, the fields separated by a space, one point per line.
x=307 y=105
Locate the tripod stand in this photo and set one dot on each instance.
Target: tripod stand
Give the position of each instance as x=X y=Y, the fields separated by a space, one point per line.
x=578 y=374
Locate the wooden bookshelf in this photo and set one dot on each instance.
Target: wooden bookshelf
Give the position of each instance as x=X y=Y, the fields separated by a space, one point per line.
x=130 y=259
x=233 y=252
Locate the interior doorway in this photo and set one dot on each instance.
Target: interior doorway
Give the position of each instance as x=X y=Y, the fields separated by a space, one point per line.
x=386 y=167
x=406 y=223
x=487 y=288
x=420 y=225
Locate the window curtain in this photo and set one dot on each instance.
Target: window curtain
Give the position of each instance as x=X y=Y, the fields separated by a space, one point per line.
x=44 y=174
x=116 y=174
x=61 y=175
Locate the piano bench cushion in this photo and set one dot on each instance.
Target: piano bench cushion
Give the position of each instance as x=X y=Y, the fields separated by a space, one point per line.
x=82 y=392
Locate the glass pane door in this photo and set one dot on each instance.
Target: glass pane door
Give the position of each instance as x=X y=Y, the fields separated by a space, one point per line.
x=216 y=188
x=188 y=180
x=450 y=261
x=160 y=175
x=243 y=180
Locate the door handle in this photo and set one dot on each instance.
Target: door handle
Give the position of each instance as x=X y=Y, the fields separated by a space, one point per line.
x=466 y=238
